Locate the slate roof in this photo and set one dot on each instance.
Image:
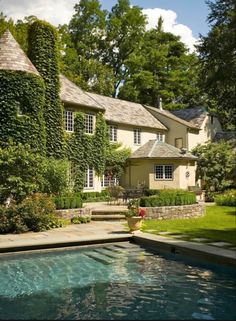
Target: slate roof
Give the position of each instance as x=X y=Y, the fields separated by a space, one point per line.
x=71 y=93
x=126 y=112
x=12 y=57
x=226 y=136
x=156 y=149
x=194 y=115
x=171 y=116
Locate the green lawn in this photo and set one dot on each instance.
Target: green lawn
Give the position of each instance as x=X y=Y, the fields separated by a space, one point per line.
x=218 y=224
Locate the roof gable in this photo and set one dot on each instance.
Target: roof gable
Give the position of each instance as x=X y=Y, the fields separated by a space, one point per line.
x=156 y=149
x=195 y=116
x=12 y=57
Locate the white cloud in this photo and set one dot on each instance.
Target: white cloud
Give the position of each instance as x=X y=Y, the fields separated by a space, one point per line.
x=170 y=24
x=55 y=12
x=61 y=11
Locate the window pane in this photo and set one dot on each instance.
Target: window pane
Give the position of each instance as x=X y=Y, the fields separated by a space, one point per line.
x=137 y=136
x=113 y=133
x=160 y=137
x=168 y=171
x=89 y=123
x=69 y=120
x=159 y=172
x=89 y=178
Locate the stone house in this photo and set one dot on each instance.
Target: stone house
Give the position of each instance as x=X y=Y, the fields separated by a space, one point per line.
x=160 y=140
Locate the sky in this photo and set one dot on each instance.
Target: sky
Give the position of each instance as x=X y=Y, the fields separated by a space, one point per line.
x=185 y=18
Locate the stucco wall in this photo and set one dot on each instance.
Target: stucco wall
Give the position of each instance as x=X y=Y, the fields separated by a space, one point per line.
x=142 y=172
x=207 y=132
x=125 y=135
x=170 y=212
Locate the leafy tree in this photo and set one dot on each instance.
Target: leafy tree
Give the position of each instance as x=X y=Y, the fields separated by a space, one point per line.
x=216 y=165
x=21 y=172
x=116 y=160
x=162 y=67
x=125 y=29
x=218 y=60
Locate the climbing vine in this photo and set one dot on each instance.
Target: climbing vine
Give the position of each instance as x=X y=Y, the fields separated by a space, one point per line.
x=85 y=150
x=44 y=54
x=21 y=109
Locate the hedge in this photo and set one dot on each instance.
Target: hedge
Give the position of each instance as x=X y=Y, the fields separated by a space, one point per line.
x=67 y=202
x=168 y=198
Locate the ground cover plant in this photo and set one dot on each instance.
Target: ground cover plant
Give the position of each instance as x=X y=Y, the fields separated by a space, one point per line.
x=218 y=224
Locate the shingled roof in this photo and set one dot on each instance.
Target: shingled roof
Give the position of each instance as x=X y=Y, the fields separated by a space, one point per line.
x=12 y=57
x=72 y=94
x=157 y=149
x=194 y=115
x=171 y=116
x=126 y=112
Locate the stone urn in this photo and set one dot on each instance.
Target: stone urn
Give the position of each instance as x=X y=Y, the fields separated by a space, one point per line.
x=134 y=223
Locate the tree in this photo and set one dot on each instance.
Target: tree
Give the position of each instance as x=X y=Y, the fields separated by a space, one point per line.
x=215 y=165
x=162 y=67
x=218 y=60
x=125 y=29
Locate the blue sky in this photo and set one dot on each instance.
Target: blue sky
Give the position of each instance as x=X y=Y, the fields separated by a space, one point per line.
x=185 y=18
x=192 y=13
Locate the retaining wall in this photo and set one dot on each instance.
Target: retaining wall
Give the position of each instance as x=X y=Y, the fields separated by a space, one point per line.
x=73 y=212
x=169 y=212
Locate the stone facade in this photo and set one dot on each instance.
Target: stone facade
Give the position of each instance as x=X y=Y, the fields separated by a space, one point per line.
x=169 y=212
x=73 y=212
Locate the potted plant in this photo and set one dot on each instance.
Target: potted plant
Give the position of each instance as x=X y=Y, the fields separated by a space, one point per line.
x=135 y=215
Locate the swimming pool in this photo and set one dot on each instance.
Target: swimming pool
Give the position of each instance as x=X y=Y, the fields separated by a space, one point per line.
x=119 y=281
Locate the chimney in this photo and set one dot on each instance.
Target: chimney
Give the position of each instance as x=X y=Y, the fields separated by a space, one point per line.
x=160 y=103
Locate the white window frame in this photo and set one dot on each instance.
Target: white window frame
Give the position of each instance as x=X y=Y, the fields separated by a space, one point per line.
x=164 y=177
x=113 y=133
x=89 y=178
x=89 y=123
x=69 y=121
x=160 y=137
x=137 y=136
x=105 y=181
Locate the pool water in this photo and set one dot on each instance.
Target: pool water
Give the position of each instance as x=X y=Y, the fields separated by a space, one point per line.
x=120 y=281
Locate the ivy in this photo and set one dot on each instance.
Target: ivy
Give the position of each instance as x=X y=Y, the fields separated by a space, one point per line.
x=21 y=109
x=87 y=150
x=44 y=54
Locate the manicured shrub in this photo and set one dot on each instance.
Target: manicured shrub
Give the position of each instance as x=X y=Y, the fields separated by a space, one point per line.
x=228 y=198
x=168 y=198
x=68 y=201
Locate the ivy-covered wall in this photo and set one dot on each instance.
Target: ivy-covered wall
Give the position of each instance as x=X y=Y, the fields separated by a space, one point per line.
x=44 y=54
x=21 y=106
x=85 y=150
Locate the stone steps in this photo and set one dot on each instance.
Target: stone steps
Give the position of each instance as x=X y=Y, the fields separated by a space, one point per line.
x=107 y=215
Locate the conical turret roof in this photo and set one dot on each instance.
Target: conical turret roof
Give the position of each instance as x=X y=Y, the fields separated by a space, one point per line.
x=12 y=57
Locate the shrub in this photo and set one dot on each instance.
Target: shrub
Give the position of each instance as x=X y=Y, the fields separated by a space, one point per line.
x=11 y=221
x=168 y=198
x=95 y=196
x=228 y=198
x=81 y=219
x=68 y=201
x=38 y=213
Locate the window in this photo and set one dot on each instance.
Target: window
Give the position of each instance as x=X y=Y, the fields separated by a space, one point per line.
x=113 y=133
x=69 y=120
x=89 y=178
x=106 y=182
x=179 y=142
x=137 y=136
x=164 y=172
x=89 y=123
x=160 y=137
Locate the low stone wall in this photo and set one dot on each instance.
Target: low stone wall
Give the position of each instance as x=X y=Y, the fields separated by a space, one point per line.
x=73 y=212
x=169 y=212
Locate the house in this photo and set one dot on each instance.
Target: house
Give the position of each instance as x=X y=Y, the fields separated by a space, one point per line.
x=159 y=140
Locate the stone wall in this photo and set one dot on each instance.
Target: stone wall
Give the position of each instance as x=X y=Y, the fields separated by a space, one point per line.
x=169 y=212
x=73 y=212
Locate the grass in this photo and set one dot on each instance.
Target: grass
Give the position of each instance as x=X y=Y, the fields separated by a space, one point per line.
x=218 y=224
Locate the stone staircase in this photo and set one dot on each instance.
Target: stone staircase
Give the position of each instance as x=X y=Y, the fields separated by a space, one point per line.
x=107 y=214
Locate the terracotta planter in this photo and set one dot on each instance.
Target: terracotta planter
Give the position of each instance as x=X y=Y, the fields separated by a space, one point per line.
x=134 y=223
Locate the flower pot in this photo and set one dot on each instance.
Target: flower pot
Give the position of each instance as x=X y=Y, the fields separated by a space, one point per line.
x=134 y=223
